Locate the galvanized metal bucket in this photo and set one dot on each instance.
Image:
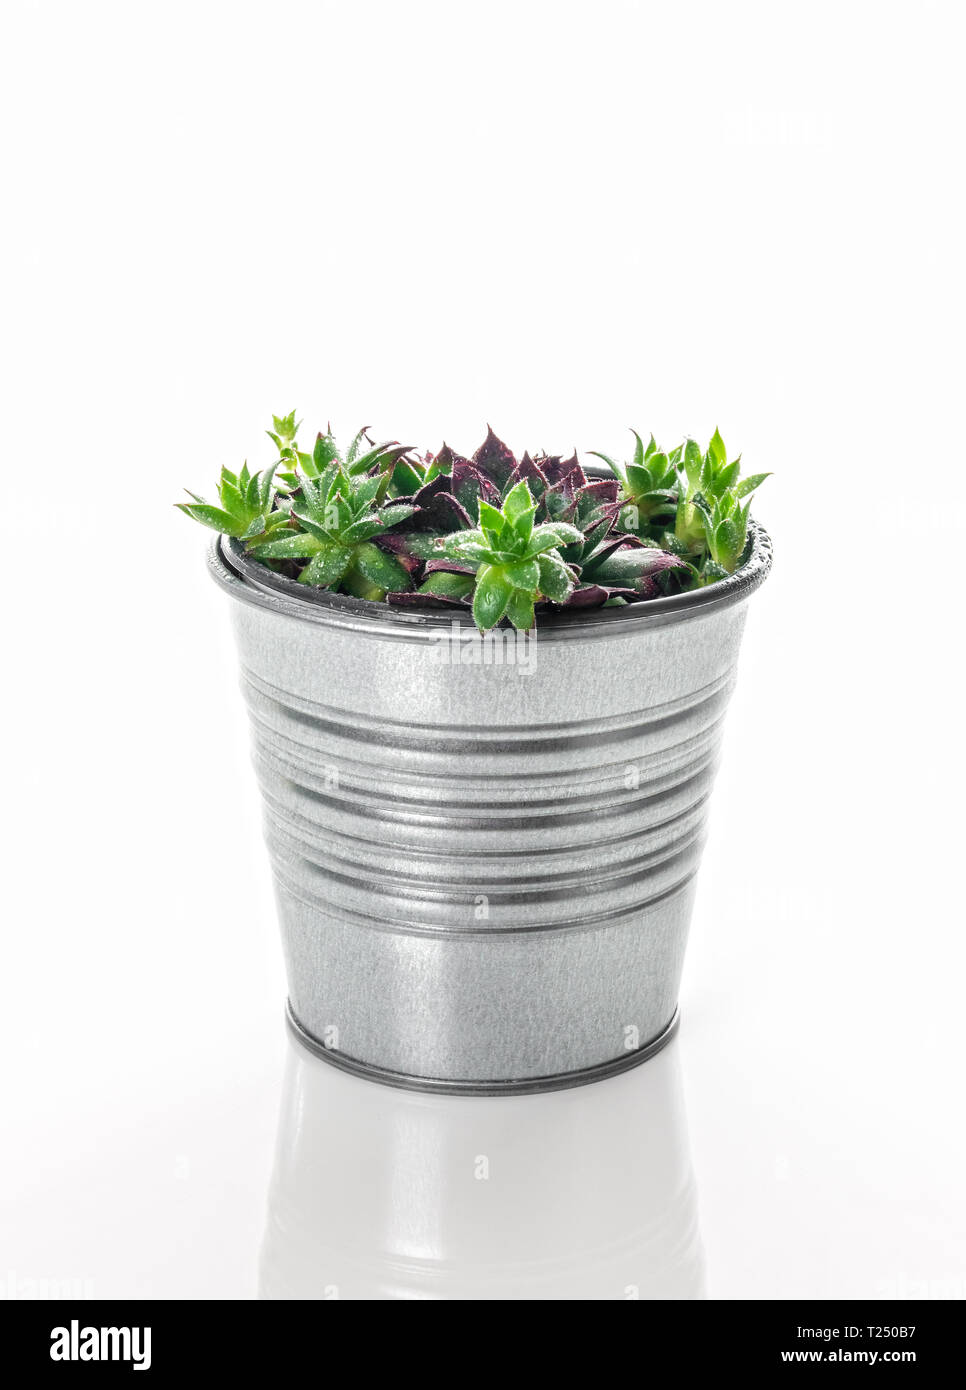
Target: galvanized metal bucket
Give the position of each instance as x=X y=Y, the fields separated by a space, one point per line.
x=484 y=850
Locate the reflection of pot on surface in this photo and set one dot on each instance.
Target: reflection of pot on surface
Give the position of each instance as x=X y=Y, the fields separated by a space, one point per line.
x=390 y=1194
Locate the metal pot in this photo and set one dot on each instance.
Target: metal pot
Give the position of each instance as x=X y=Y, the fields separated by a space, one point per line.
x=484 y=850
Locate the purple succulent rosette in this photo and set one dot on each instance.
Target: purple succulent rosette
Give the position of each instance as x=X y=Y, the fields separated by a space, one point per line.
x=607 y=564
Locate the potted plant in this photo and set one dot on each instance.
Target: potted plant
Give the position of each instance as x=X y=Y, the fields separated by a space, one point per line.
x=486 y=698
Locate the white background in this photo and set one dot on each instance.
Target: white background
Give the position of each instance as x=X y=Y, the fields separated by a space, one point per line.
x=565 y=219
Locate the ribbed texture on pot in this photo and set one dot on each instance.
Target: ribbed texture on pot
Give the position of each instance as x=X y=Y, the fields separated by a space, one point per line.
x=484 y=872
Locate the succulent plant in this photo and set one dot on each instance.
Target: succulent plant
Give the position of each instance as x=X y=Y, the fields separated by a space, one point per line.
x=338 y=516
x=502 y=536
x=357 y=459
x=649 y=485
x=246 y=504
x=712 y=475
x=710 y=526
x=725 y=523
x=514 y=562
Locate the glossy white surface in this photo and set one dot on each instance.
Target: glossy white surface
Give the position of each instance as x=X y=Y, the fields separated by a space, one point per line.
x=381 y=1193
x=578 y=217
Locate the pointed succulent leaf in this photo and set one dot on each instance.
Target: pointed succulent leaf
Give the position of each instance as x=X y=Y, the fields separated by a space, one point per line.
x=573 y=473
x=517 y=501
x=436 y=467
x=713 y=572
x=617 y=541
x=717 y=450
x=472 y=552
x=494 y=459
x=366 y=490
x=297 y=545
x=416 y=546
x=673 y=544
x=633 y=567
x=406 y=477
x=356 y=445
x=492 y=523
x=399 y=544
x=447 y=459
x=325 y=451
x=552 y=534
x=524 y=574
x=728 y=476
x=384 y=455
x=519 y=610
x=523 y=528
x=313 y=497
x=382 y=570
x=395 y=512
x=339 y=512
x=231 y=498
x=749 y=484
x=255 y=527
x=601 y=492
x=312 y=527
x=214 y=517
x=660 y=500
x=491 y=596
x=557 y=504
x=420 y=602
x=438 y=511
x=596 y=595
x=637 y=481
x=362 y=530
x=725 y=540
x=264 y=482
x=532 y=474
x=327 y=567
x=556 y=579
x=469 y=487
x=612 y=464
x=445 y=564
x=472 y=537
x=444 y=584
x=741 y=521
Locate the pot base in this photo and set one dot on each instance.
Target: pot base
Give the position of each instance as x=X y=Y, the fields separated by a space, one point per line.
x=527 y=1085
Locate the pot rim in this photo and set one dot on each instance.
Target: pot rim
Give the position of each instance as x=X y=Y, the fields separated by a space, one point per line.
x=252 y=582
